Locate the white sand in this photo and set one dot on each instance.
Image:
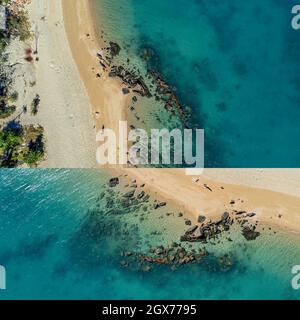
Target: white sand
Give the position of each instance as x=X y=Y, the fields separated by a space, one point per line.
x=281 y=180
x=65 y=111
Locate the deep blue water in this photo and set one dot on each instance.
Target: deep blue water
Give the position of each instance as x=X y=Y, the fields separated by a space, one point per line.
x=236 y=63
x=53 y=249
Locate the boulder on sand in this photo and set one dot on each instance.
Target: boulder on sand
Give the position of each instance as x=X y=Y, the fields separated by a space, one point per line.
x=201 y=219
x=160 y=205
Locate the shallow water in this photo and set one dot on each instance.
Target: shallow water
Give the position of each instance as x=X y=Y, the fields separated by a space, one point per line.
x=236 y=63
x=53 y=247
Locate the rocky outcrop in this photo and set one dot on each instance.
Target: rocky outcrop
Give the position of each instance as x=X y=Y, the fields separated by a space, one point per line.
x=172 y=255
x=113 y=182
x=129 y=194
x=211 y=230
x=249 y=233
x=130 y=80
x=114 y=49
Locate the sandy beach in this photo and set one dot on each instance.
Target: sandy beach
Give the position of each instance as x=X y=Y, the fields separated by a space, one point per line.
x=108 y=103
x=67 y=77
x=64 y=112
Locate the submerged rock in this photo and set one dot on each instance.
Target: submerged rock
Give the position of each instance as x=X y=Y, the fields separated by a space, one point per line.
x=114 y=48
x=113 y=182
x=191 y=229
x=208 y=230
x=193 y=235
x=141 y=195
x=146 y=198
x=198 y=234
x=129 y=194
x=146 y=268
x=250 y=233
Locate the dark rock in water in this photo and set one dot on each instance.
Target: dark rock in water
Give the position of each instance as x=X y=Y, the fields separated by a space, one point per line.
x=225 y=216
x=226 y=263
x=141 y=195
x=160 y=205
x=112 y=74
x=226 y=227
x=134 y=99
x=160 y=251
x=180 y=215
x=196 y=235
x=191 y=229
x=201 y=219
x=113 y=182
x=174 y=244
x=114 y=48
x=141 y=88
x=209 y=230
x=188 y=222
x=171 y=255
x=125 y=91
x=146 y=268
x=250 y=234
x=130 y=79
x=124 y=263
x=216 y=223
x=128 y=254
x=147 y=197
x=129 y=194
x=172 y=258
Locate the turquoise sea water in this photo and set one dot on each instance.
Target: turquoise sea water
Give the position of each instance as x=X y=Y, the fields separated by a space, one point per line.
x=53 y=248
x=236 y=63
